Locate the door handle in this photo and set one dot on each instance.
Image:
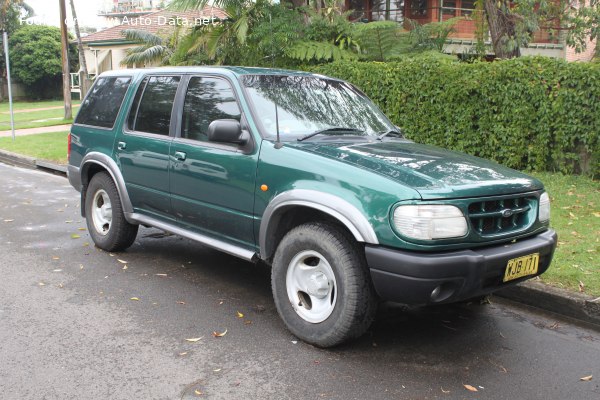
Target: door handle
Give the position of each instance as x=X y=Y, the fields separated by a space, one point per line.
x=121 y=145
x=180 y=156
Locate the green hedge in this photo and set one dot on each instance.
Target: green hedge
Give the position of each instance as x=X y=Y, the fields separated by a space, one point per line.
x=527 y=113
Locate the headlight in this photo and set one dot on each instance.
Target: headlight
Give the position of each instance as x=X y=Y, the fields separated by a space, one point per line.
x=427 y=222
x=544 y=213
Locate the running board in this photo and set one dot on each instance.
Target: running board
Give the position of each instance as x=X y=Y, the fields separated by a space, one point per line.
x=208 y=241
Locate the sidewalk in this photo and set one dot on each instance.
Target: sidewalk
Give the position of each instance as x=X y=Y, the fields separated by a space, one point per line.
x=33 y=131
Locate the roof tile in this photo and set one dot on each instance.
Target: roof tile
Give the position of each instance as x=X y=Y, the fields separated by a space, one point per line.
x=155 y=22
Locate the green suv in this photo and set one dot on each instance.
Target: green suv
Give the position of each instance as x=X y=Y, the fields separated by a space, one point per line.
x=306 y=174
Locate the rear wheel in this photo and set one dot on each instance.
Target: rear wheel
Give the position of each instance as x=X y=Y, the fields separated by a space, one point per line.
x=321 y=285
x=106 y=222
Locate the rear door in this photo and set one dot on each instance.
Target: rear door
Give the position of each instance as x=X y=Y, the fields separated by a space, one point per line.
x=142 y=148
x=212 y=184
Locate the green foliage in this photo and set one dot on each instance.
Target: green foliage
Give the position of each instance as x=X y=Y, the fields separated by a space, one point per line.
x=319 y=51
x=431 y=36
x=152 y=48
x=10 y=13
x=537 y=114
x=35 y=57
x=379 y=40
x=273 y=35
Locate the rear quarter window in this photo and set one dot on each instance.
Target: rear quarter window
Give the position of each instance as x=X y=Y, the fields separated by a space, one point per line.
x=101 y=106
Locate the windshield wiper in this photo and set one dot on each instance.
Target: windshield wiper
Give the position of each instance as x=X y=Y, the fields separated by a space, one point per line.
x=396 y=132
x=329 y=130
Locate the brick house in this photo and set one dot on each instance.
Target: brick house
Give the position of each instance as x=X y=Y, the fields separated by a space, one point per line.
x=545 y=42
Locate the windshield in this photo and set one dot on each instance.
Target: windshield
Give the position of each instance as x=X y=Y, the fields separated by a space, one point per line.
x=307 y=104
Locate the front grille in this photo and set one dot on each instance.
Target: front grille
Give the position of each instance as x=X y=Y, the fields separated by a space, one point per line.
x=502 y=215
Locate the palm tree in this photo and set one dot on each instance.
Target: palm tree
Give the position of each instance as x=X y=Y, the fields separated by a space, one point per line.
x=242 y=15
x=152 y=48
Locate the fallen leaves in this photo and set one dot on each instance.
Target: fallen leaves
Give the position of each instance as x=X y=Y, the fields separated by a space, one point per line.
x=240 y=315
x=586 y=378
x=219 y=334
x=499 y=366
x=75 y=236
x=9 y=220
x=194 y=340
x=471 y=388
x=581 y=287
x=134 y=299
x=122 y=261
x=181 y=302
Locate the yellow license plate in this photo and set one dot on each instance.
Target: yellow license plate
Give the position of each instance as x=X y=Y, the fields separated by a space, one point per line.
x=521 y=266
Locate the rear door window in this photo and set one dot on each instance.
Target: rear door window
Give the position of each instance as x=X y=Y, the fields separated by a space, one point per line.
x=101 y=106
x=153 y=105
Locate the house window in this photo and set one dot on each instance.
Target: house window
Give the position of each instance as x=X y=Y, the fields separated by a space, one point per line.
x=390 y=10
x=455 y=8
x=358 y=10
x=467 y=7
x=418 y=8
x=449 y=7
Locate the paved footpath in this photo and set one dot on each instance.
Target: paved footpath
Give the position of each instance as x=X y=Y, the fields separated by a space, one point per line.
x=33 y=131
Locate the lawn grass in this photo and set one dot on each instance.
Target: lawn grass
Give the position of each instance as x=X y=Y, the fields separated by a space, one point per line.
x=45 y=146
x=24 y=105
x=575 y=202
x=34 y=119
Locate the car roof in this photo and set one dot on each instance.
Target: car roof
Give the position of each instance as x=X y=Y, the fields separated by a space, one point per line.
x=229 y=71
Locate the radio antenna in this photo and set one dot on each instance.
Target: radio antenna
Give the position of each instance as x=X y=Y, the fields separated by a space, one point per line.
x=278 y=143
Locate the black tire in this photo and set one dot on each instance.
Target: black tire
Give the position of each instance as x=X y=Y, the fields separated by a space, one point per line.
x=117 y=234
x=353 y=300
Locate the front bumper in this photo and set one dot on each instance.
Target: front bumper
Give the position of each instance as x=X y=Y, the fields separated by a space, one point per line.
x=411 y=277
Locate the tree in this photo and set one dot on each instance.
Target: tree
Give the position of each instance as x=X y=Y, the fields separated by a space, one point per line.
x=82 y=62
x=152 y=48
x=512 y=22
x=35 y=55
x=10 y=13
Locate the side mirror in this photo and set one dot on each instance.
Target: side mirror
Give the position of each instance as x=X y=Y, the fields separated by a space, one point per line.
x=227 y=131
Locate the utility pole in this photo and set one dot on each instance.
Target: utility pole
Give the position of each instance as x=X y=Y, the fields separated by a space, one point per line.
x=10 y=101
x=64 y=39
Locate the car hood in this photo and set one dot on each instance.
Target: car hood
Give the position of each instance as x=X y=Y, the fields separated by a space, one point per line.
x=434 y=172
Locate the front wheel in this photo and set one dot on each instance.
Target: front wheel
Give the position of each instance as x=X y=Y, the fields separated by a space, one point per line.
x=321 y=285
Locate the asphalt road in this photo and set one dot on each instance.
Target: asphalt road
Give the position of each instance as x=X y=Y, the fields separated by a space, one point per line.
x=71 y=327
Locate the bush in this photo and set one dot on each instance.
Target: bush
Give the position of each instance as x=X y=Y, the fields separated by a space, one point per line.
x=536 y=114
x=35 y=58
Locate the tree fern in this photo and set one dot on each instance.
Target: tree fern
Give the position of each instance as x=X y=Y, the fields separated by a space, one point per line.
x=377 y=39
x=318 y=51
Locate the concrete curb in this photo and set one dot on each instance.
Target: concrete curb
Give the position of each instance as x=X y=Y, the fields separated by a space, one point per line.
x=22 y=161
x=560 y=301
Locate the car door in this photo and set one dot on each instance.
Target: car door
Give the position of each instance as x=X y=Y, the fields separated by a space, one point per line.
x=212 y=184
x=142 y=148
